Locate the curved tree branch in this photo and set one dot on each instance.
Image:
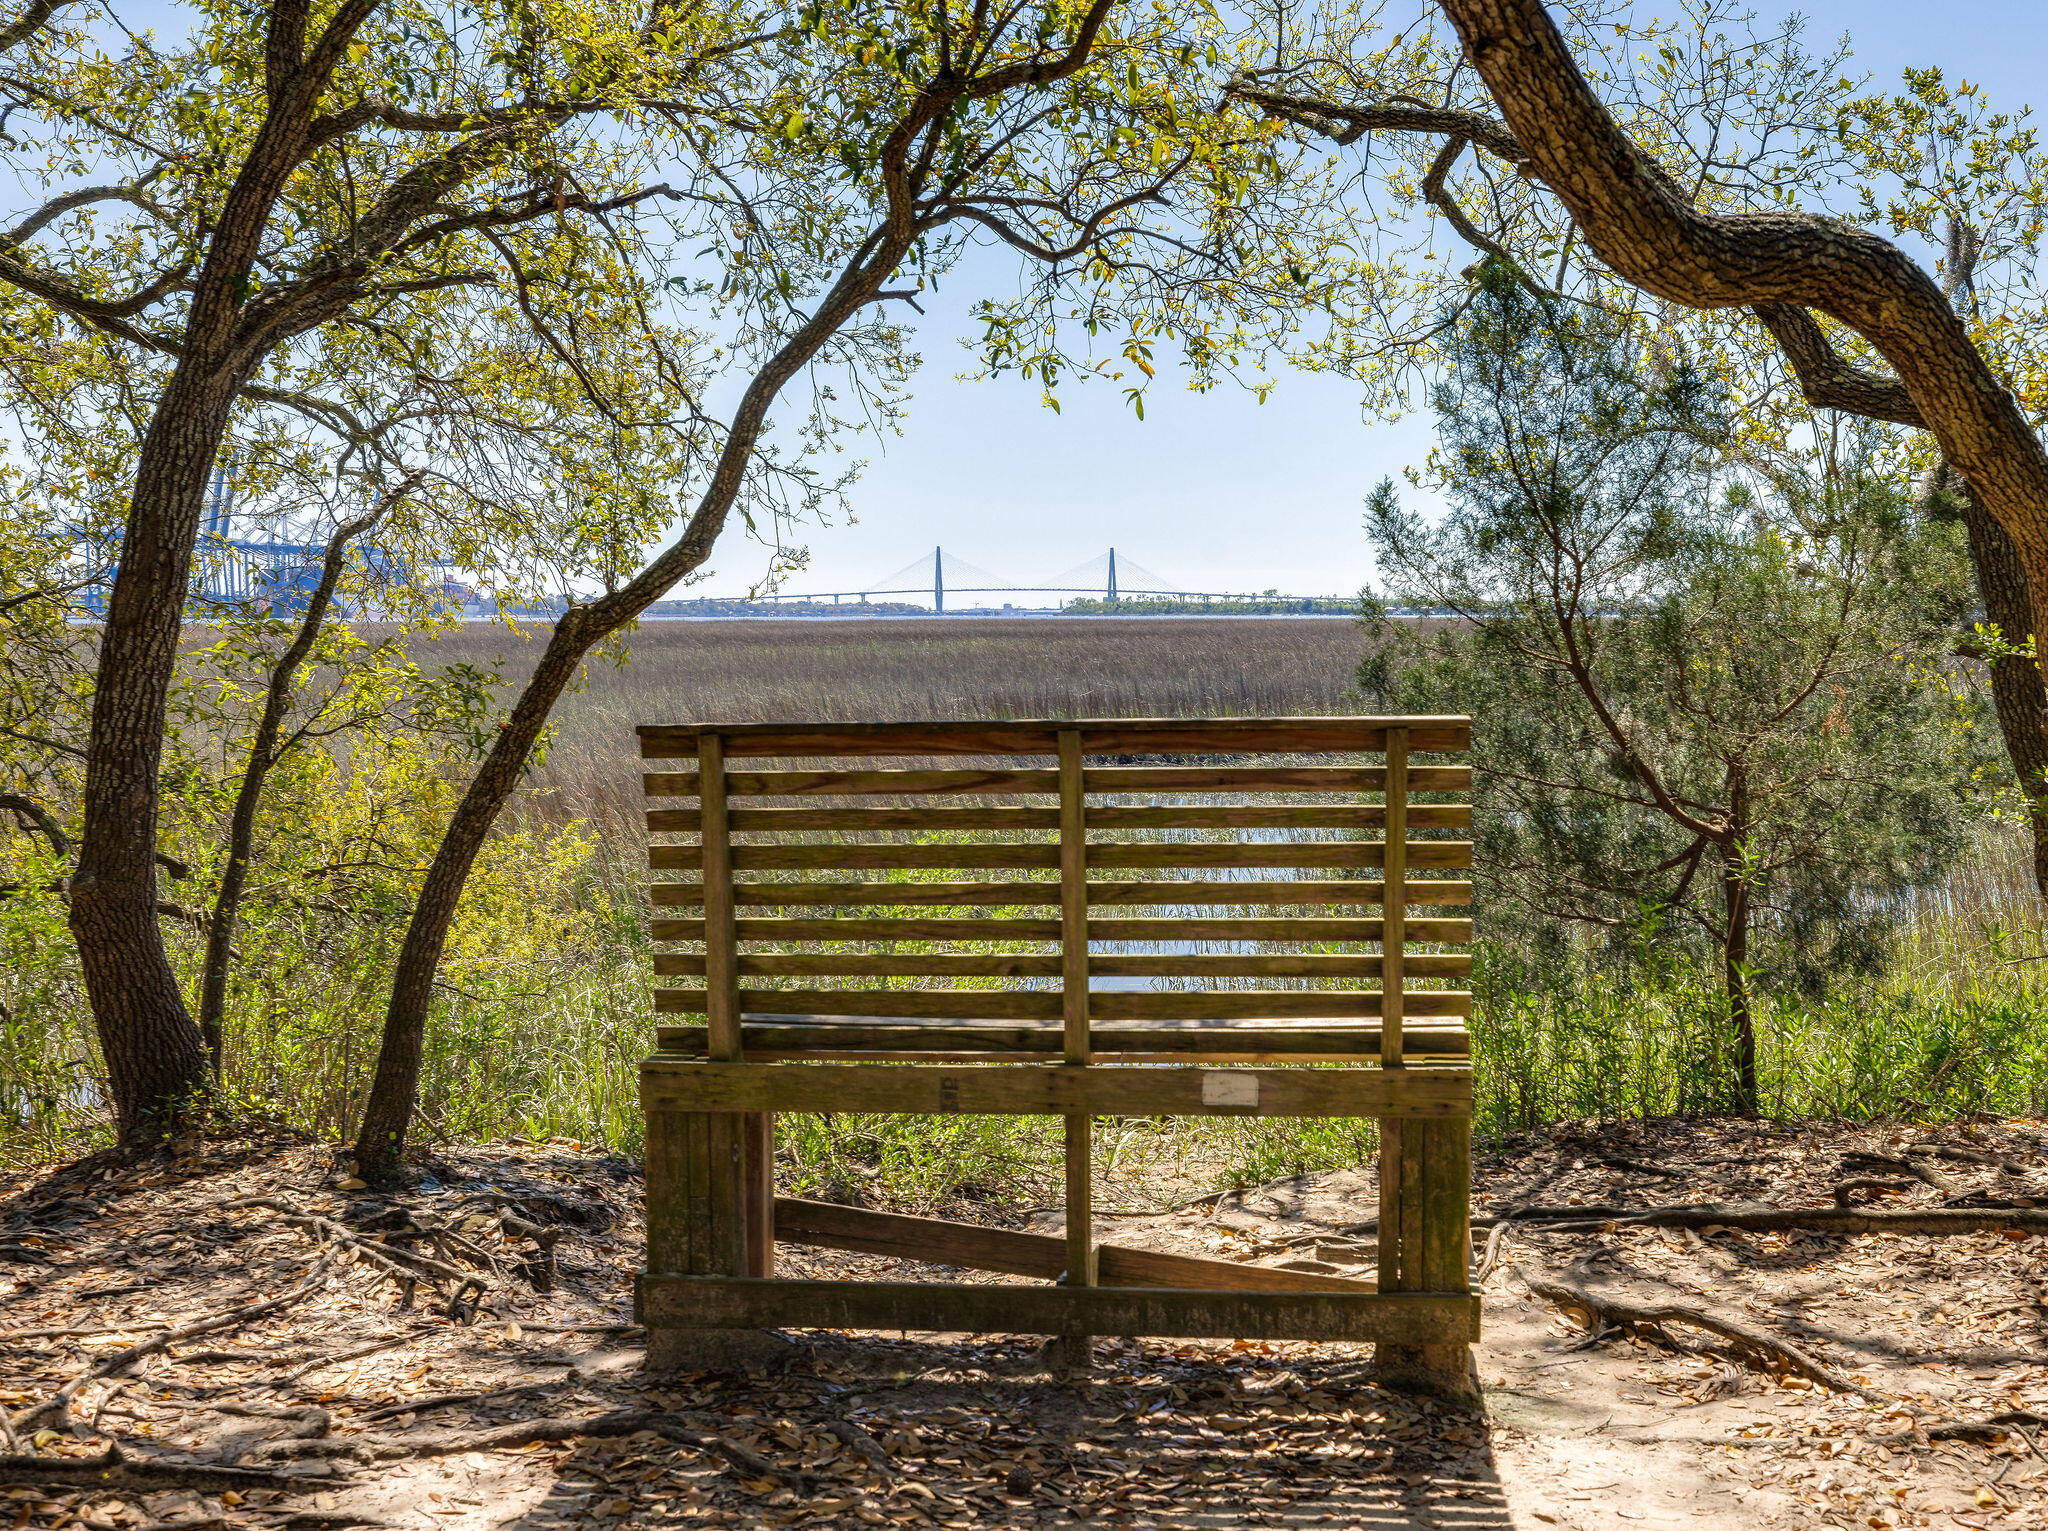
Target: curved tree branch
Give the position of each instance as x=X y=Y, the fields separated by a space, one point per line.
x=1639 y=223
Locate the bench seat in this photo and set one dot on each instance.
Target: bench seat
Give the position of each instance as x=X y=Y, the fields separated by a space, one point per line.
x=935 y=1039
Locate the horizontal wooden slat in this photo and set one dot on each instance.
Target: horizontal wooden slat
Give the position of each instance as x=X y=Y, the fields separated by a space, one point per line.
x=682 y=895
x=1270 y=779
x=1262 y=1004
x=1247 y=928
x=972 y=1246
x=1054 y=1089
x=994 y=855
x=1294 y=891
x=854 y=783
x=1101 y=779
x=1273 y=816
x=905 y=929
x=1103 y=1004
x=872 y=965
x=876 y=820
x=841 y=856
x=1435 y=854
x=820 y=1037
x=1267 y=965
x=1021 y=893
x=966 y=1004
x=1110 y=965
x=754 y=1302
x=1168 y=736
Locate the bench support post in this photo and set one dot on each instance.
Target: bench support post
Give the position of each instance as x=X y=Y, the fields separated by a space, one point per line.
x=710 y=1174
x=1425 y=1243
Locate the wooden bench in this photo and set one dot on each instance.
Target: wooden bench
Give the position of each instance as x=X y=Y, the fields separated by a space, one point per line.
x=1013 y=867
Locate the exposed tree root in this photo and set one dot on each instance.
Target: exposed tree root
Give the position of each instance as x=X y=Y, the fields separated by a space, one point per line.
x=58 y=1403
x=1754 y=1217
x=527 y=1432
x=114 y=1469
x=1746 y=1336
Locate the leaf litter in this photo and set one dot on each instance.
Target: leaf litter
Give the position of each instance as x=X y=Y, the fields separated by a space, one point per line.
x=223 y=1335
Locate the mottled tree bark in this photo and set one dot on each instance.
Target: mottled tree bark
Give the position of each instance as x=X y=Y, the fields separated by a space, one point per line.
x=2018 y=693
x=155 y=1058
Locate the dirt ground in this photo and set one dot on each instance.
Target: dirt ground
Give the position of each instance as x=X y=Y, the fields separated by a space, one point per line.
x=261 y=1347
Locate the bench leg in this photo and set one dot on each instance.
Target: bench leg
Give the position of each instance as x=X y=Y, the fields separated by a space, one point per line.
x=698 y=1223
x=1426 y=1244
x=758 y=1162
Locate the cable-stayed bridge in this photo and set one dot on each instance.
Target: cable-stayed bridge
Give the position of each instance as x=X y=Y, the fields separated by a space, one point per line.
x=1109 y=576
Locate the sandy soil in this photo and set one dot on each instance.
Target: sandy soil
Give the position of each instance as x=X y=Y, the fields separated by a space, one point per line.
x=343 y=1406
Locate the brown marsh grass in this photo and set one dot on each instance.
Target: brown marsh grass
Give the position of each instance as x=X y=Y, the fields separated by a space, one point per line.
x=880 y=670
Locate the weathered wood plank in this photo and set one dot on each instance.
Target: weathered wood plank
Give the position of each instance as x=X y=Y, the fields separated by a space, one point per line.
x=947 y=819
x=886 y=820
x=906 y=928
x=1268 y=778
x=1103 y=1004
x=1073 y=864
x=856 y=783
x=1108 y=736
x=721 y=948
x=1047 y=965
x=864 y=1041
x=1255 y=928
x=851 y=857
x=1394 y=937
x=699 y=1302
x=1313 y=931
x=972 y=1246
x=1031 y=1089
x=1030 y=781
x=1301 y=890
x=682 y=895
x=1273 y=816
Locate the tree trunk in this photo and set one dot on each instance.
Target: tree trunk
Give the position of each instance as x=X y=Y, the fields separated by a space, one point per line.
x=2017 y=690
x=1735 y=907
x=380 y=1141
x=156 y=1060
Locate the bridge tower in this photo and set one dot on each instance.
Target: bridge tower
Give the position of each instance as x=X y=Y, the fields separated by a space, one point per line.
x=938 y=580
x=1112 y=574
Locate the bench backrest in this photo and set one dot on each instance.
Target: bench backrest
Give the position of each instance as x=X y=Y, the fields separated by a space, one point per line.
x=947 y=889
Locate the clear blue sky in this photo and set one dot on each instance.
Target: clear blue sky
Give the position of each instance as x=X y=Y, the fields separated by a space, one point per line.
x=1218 y=490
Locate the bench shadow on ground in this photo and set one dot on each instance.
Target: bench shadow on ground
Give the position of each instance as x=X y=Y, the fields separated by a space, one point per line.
x=977 y=1433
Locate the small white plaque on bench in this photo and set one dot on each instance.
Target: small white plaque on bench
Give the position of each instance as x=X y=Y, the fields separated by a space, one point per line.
x=1226 y=1087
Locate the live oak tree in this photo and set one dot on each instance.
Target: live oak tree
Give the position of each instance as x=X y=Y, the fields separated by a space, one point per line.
x=370 y=231
x=876 y=144
x=1734 y=179
x=1702 y=708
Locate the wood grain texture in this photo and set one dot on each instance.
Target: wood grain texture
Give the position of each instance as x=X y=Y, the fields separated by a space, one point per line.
x=1394 y=936
x=856 y=1039
x=1042 y=1004
x=973 y=1246
x=715 y=892
x=1000 y=965
x=698 y=1302
x=1310 y=931
x=1029 y=1089
x=860 y=821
